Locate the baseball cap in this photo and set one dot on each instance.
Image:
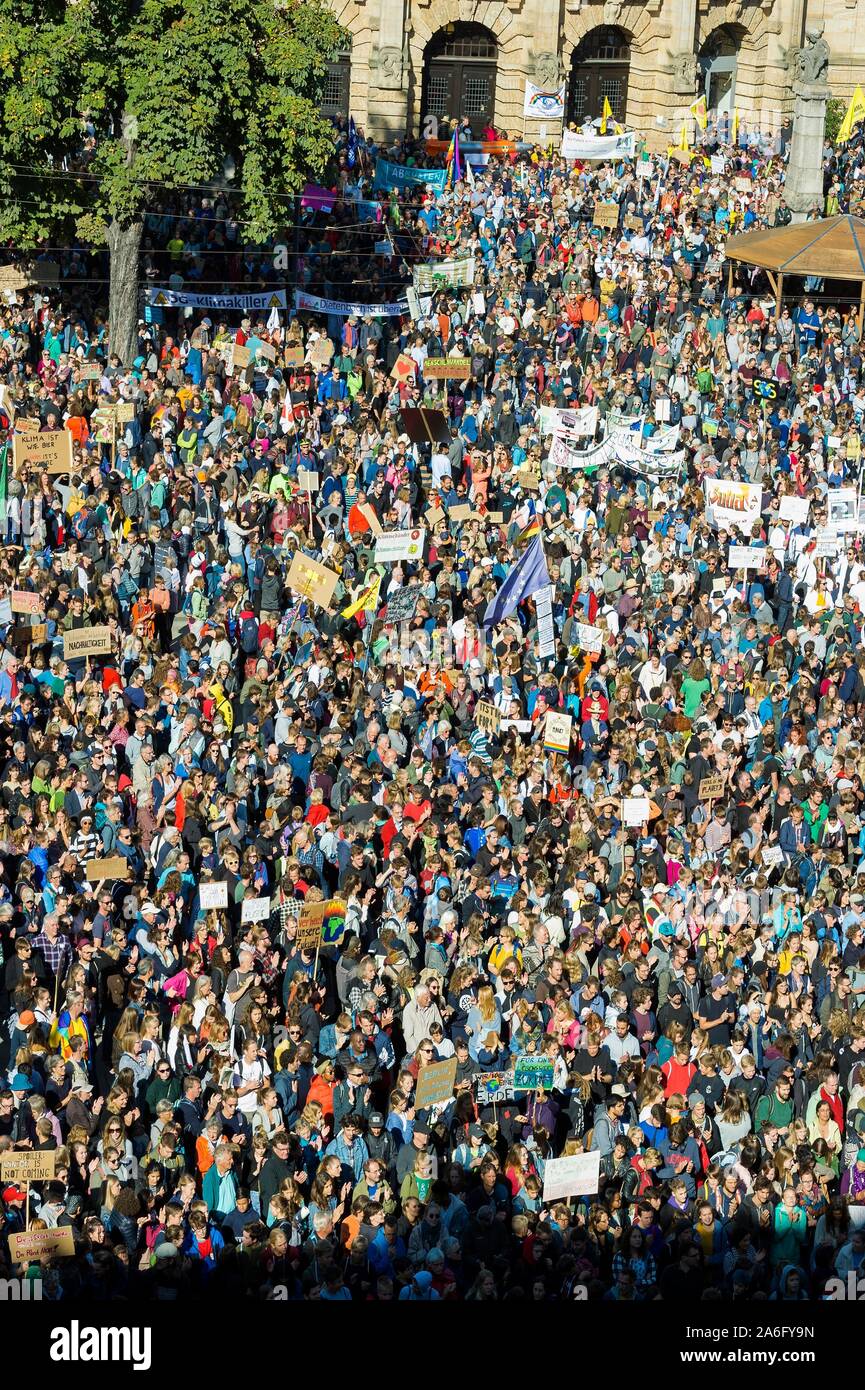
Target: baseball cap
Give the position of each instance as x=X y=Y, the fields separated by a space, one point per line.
x=718 y=980
x=376 y=1120
x=14 y=1194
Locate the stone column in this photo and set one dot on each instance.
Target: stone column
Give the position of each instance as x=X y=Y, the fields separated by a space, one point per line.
x=389 y=73
x=804 y=185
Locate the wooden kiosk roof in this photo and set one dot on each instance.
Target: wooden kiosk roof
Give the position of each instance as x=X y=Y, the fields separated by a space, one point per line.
x=833 y=247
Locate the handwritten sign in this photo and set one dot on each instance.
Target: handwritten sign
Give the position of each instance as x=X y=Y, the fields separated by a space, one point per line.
x=492 y=1087
x=125 y=412
x=587 y=638
x=576 y=1176
x=33 y=1245
x=746 y=557
x=50 y=450
x=86 y=641
x=212 y=896
x=488 y=716
x=254 y=910
x=772 y=856
x=38 y=633
x=606 y=215
x=711 y=788
x=116 y=867
x=531 y=1072
x=24 y=602
x=635 y=810
x=435 y=1084
x=89 y=371
x=293 y=356
x=28 y=1167
x=447 y=368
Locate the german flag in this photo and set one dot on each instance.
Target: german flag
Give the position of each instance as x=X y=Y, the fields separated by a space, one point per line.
x=529 y=532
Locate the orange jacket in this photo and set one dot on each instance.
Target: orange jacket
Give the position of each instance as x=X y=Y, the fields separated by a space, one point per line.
x=322 y=1091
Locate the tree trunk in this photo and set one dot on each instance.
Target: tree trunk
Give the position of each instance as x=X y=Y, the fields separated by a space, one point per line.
x=124 y=243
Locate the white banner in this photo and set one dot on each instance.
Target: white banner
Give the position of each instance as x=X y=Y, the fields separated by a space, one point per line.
x=616 y=421
x=314 y=304
x=583 y=421
x=576 y=146
x=400 y=545
x=541 y=104
x=621 y=447
x=174 y=299
x=437 y=275
x=576 y=1176
x=733 y=504
x=662 y=440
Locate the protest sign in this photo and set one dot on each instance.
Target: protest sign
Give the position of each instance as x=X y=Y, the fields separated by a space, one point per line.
x=557 y=732
x=733 y=504
x=28 y=1167
x=213 y=895
x=635 y=810
x=402 y=604
x=23 y=601
x=605 y=215
x=49 y=449
x=544 y=103
x=125 y=412
x=711 y=788
x=579 y=146
x=576 y=1176
x=321 y=923
x=267 y=351
x=842 y=506
x=312 y=579
x=293 y=356
x=89 y=371
x=400 y=545
x=307 y=479
x=449 y=274
x=80 y=642
x=632 y=223
x=492 y=1087
x=531 y=1072
x=447 y=368
x=5 y=612
x=488 y=716
x=433 y=515
x=795 y=509
x=772 y=856
x=746 y=557
x=588 y=638
x=38 y=633
x=31 y=1245
x=435 y=1084
x=254 y=910
x=116 y=867
x=404 y=368
x=13 y=279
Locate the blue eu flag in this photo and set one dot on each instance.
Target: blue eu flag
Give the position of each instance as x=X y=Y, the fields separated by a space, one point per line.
x=527 y=576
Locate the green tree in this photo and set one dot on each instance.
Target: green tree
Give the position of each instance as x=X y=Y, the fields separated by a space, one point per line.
x=172 y=89
x=835 y=109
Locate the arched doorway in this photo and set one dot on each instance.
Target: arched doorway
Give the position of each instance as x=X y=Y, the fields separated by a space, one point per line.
x=459 y=75
x=718 y=60
x=600 y=69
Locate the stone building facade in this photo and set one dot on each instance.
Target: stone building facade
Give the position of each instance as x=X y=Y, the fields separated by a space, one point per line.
x=415 y=59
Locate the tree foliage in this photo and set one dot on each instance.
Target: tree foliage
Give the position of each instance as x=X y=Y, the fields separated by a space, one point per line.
x=171 y=88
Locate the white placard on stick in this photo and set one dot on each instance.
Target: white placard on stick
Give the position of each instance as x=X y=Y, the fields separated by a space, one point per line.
x=254 y=910
x=635 y=810
x=576 y=1176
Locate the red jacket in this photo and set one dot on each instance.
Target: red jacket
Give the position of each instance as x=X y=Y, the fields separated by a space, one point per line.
x=677 y=1077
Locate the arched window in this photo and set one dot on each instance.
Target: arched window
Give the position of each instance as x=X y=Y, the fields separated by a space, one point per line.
x=718 y=60
x=600 y=69
x=460 y=75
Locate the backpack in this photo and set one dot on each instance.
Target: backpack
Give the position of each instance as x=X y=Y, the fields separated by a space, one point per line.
x=248 y=635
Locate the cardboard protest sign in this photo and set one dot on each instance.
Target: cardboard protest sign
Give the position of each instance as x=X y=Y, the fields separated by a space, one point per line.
x=588 y=638
x=213 y=896
x=605 y=215
x=38 y=633
x=125 y=412
x=530 y=1072
x=636 y=810
x=447 y=368
x=115 y=867
x=576 y=1176
x=293 y=356
x=433 y=515
x=404 y=368
x=488 y=716
x=527 y=480
x=240 y=358
x=89 y=371
x=557 y=733
x=30 y=1245
x=50 y=450
x=266 y=351
x=86 y=641
x=321 y=352
x=632 y=223
x=435 y=1084
x=254 y=910
x=13 y=279
x=24 y=602
x=711 y=788
x=28 y=1167
x=312 y=579
x=462 y=511
x=322 y=922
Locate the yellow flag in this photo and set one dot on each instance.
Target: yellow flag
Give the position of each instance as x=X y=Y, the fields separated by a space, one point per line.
x=684 y=142
x=367 y=598
x=699 y=111
x=734 y=134
x=606 y=115
x=855 y=112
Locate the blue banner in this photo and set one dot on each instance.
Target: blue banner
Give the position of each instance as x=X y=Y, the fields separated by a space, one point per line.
x=388 y=175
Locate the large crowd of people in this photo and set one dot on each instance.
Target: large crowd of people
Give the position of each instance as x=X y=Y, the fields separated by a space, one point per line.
x=226 y=1105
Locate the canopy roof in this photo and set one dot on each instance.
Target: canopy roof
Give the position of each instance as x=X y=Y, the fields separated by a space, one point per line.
x=834 y=246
